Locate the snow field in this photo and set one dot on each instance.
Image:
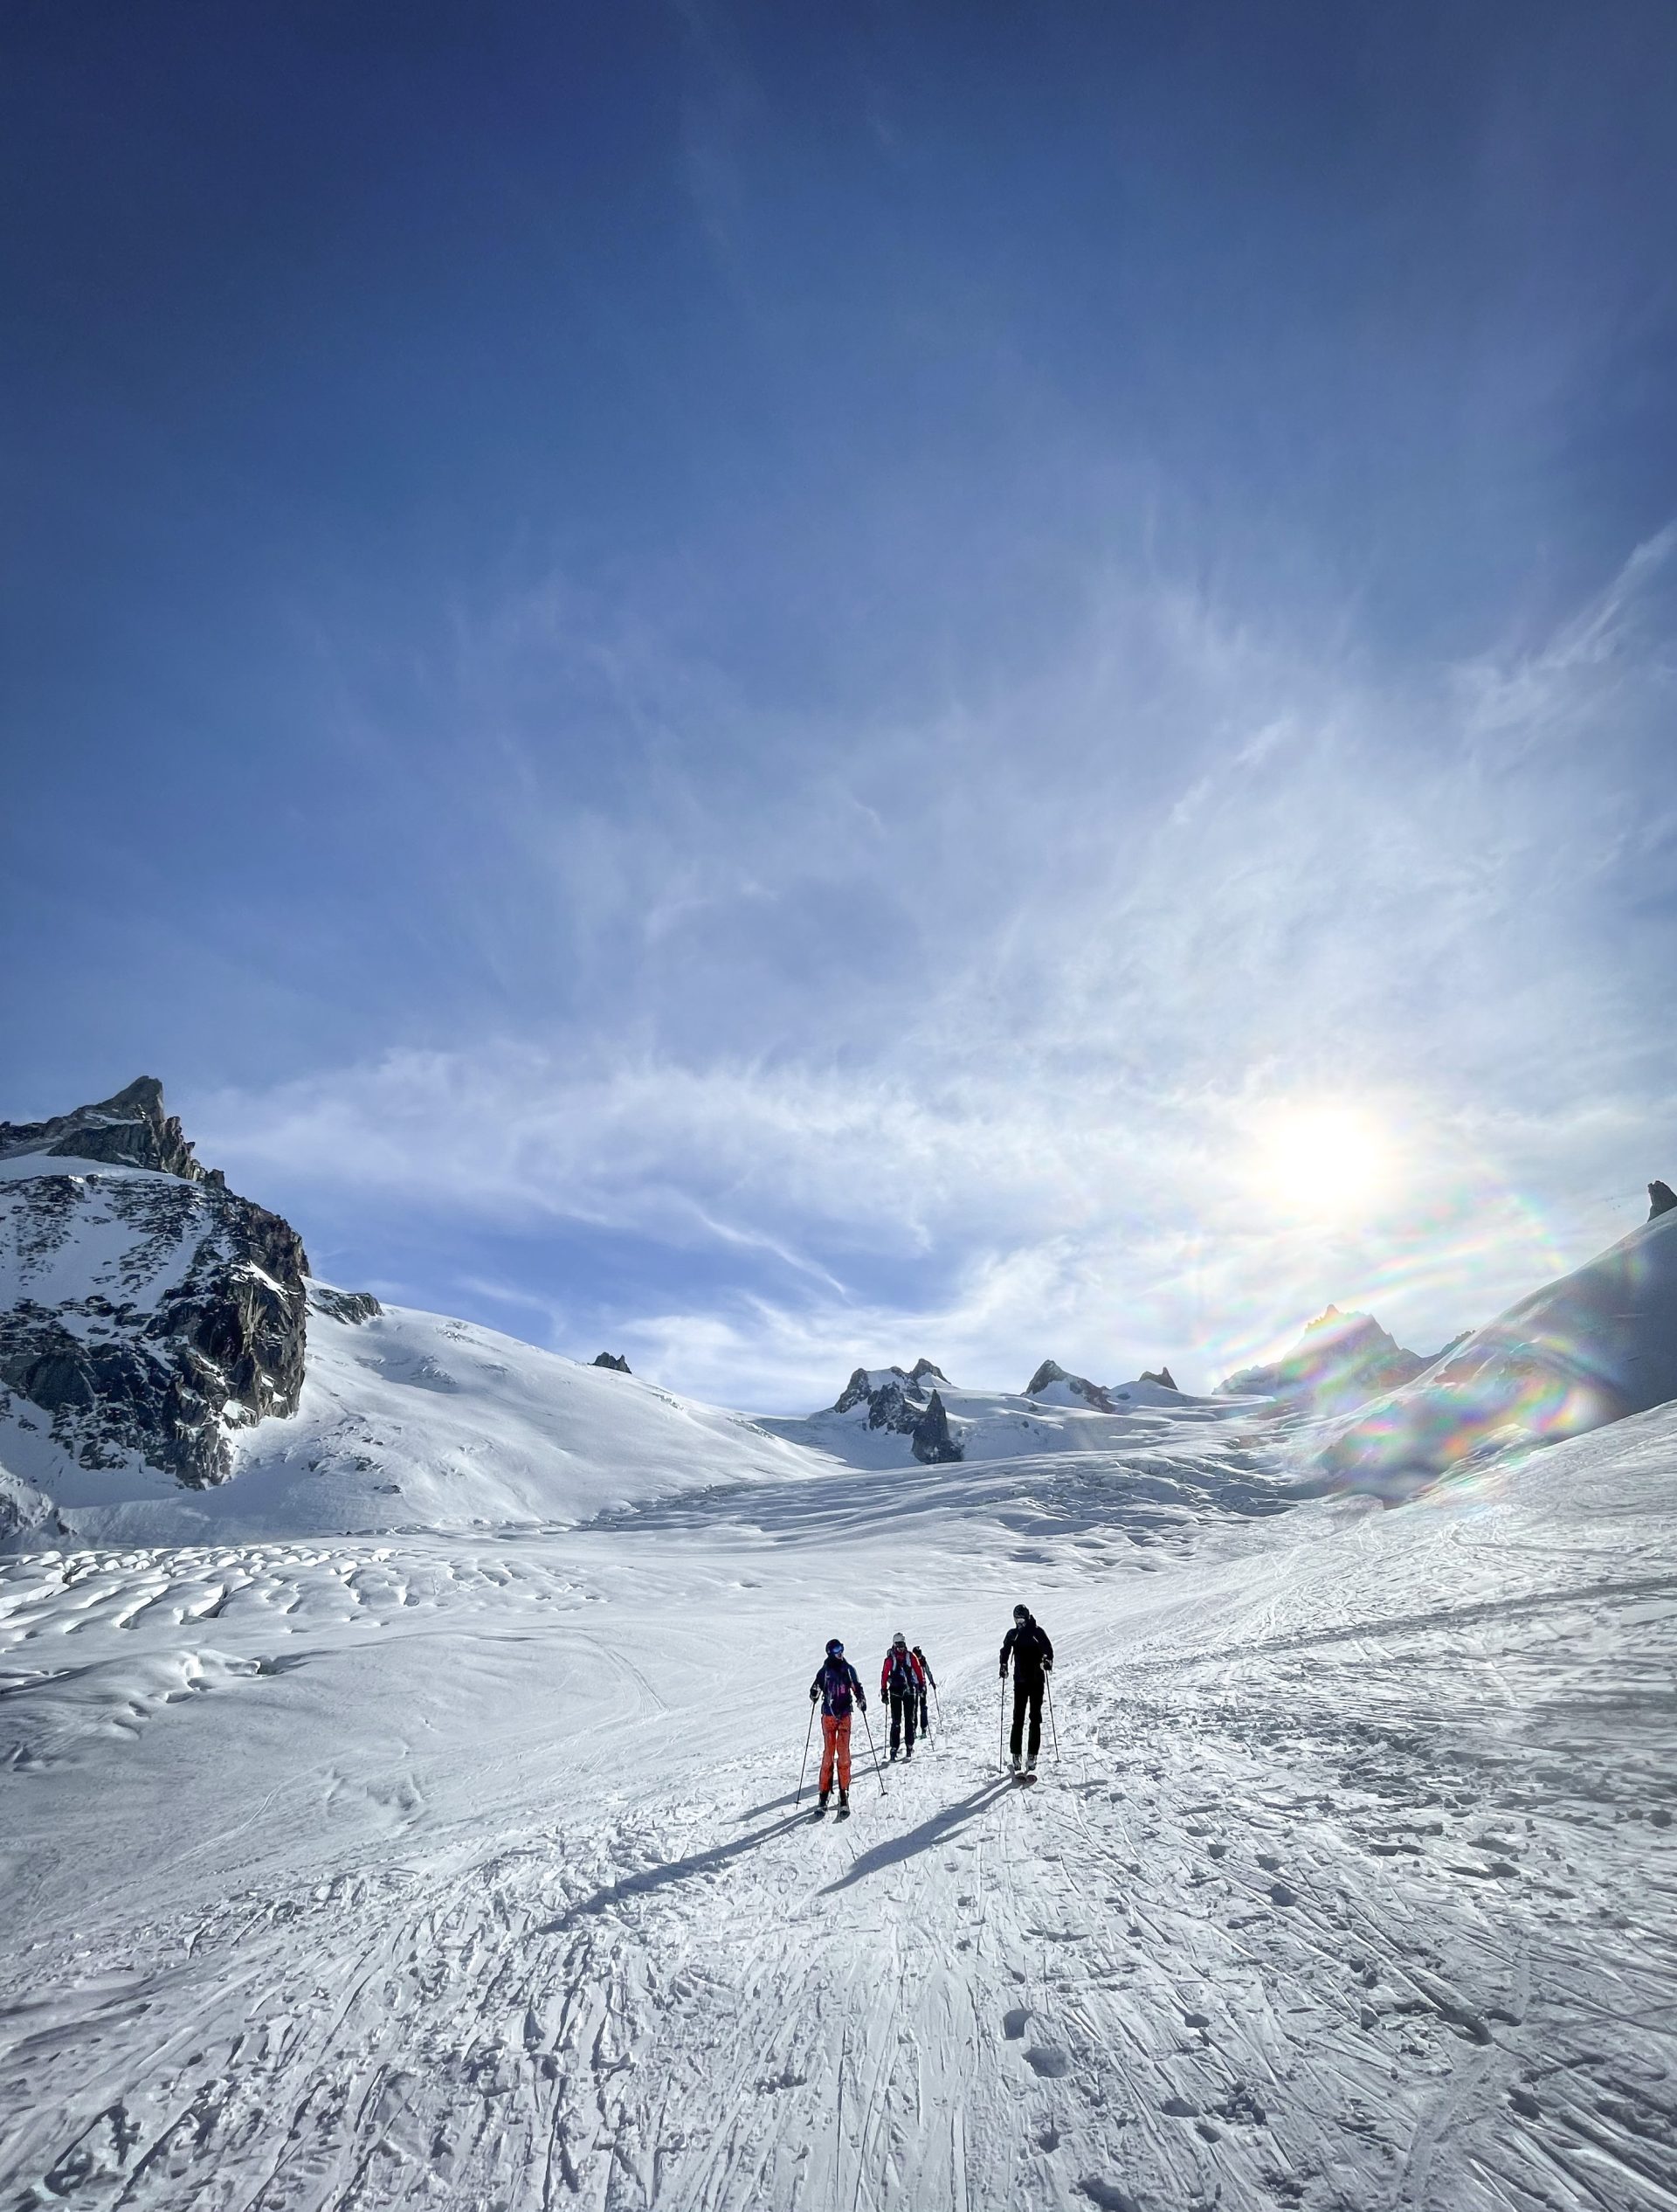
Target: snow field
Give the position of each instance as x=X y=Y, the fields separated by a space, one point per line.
x=413 y=1421
x=1353 y=1888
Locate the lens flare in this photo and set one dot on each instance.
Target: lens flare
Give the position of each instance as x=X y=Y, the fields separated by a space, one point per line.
x=1323 y=1159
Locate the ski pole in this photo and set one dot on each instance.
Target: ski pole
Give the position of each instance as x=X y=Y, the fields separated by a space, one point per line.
x=871 y=1753
x=1053 y=1722
x=808 y=1733
x=1001 y=1727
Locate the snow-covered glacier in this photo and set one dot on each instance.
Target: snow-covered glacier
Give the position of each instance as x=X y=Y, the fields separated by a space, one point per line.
x=409 y=1819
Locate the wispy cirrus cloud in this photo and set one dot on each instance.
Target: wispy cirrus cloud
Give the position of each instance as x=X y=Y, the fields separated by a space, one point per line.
x=951 y=1033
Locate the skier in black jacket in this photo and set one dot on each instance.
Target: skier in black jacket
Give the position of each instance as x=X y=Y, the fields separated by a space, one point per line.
x=1026 y=1643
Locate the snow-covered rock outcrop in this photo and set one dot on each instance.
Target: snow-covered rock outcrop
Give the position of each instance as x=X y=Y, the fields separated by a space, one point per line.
x=904 y=1401
x=146 y=1311
x=1052 y=1383
x=1342 y=1360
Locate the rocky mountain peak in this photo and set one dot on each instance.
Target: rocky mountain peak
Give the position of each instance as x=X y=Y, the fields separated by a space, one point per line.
x=614 y=1360
x=145 y=1317
x=905 y=1400
x=130 y=1129
x=1092 y=1393
x=1661 y=1198
x=1341 y=1360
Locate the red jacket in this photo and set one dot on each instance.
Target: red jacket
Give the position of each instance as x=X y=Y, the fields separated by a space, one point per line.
x=909 y=1672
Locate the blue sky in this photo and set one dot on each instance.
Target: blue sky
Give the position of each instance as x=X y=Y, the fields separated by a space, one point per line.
x=783 y=686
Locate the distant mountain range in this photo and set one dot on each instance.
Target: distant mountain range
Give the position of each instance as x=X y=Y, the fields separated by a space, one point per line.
x=167 y=1362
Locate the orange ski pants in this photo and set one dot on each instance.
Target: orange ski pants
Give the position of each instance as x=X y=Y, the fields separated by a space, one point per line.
x=835 y=1744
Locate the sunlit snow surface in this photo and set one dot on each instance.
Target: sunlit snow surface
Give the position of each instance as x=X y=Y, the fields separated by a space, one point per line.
x=461 y=1870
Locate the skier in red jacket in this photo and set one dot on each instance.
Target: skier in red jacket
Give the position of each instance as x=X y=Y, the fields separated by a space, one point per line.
x=903 y=1680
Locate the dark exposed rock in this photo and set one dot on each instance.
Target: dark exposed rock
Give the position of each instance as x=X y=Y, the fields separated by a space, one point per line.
x=1165 y=1378
x=615 y=1360
x=929 y=1439
x=25 y=1511
x=353 y=1306
x=1342 y=1360
x=1661 y=1200
x=150 y=1314
x=128 y=1131
x=900 y=1398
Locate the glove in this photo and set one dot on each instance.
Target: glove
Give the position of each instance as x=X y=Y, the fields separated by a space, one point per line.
x=862 y=1702
x=1004 y=1674
x=814 y=1694
x=1047 y=1666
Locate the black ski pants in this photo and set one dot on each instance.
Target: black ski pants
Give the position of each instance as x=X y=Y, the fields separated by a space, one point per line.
x=1027 y=1698
x=905 y=1708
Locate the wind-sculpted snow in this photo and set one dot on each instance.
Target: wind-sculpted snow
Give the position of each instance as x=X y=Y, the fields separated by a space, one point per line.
x=463 y=1870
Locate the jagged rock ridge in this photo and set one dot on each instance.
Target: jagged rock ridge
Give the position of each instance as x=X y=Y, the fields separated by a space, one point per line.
x=1341 y=1360
x=355 y=1307
x=899 y=1399
x=130 y=1129
x=615 y=1360
x=145 y=1309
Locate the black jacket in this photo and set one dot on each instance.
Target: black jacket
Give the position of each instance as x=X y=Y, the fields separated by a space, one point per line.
x=1028 y=1646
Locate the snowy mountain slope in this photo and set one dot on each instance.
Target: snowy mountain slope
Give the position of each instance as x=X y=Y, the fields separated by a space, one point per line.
x=1052 y=1385
x=1599 y=1344
x=463 y=1871
x=413 y=1419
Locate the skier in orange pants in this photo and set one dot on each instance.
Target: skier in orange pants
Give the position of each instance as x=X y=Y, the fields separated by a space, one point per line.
x=838 y=1686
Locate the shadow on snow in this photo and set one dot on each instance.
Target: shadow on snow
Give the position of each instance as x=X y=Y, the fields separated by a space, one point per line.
x=941 y=1824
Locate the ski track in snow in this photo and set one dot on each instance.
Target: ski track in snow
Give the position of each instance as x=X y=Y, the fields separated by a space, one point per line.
x=464 y=1870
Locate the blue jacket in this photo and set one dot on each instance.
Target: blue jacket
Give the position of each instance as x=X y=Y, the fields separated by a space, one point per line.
x=836 y=1683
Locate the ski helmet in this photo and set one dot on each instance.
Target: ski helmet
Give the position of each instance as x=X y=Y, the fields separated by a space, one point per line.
x=900 y=1639
x=1021 y=1612
x=835 y=1649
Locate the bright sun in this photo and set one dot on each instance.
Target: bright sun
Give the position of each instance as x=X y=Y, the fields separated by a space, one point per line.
x=1323 y=1159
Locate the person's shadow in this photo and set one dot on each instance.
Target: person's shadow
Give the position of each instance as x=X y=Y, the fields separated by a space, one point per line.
x=662 y=1878
x=941 y=1824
